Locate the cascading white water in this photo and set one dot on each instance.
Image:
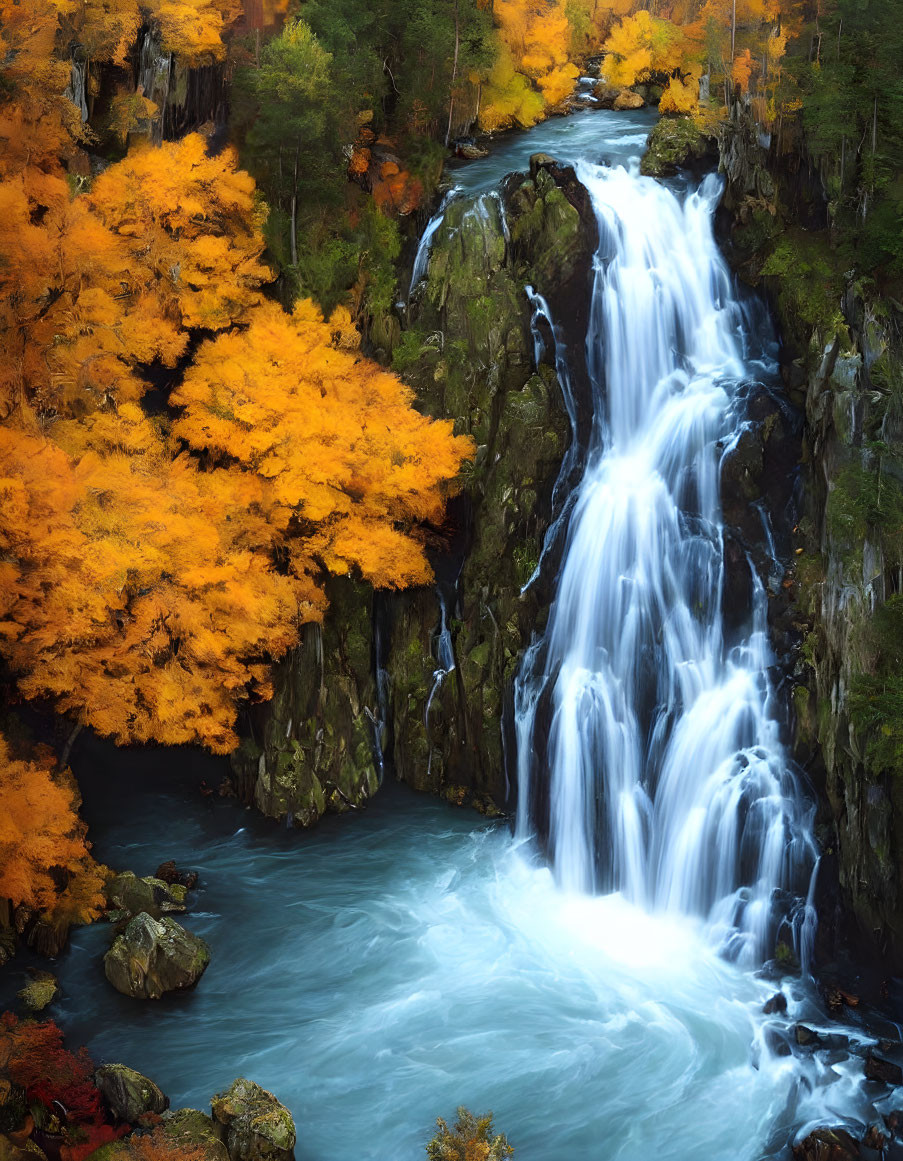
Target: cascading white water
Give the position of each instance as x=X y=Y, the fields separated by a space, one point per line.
x=667 y=780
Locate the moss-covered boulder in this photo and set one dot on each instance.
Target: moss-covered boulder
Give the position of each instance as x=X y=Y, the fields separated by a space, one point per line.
x=128 y=1094
x=676 y=142
x=40 y=991
x=255 y=1125
x=128 y=894
x=152 y=957
x=191 y=1129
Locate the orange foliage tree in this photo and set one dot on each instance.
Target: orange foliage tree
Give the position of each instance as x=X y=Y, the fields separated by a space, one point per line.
x=94 y=287
x=43 y=852
x=350 y=466
x=143 y=596
x=146 y=588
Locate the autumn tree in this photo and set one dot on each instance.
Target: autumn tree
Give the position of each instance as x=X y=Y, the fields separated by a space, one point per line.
x=535 y=44
x=148 y=598
x=141 y=593
x=350 y=466
x=43 y=852
x=643 y=46
x=95 y=287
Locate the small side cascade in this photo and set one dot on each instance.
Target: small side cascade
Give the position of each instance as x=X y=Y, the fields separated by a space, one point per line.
x=445 y=657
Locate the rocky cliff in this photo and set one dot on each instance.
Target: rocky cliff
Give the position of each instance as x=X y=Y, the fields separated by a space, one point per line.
x=841 y=627
x=413 y=685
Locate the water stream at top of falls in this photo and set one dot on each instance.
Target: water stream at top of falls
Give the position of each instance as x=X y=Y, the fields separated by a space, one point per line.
x=667 y=780
x=397 y=962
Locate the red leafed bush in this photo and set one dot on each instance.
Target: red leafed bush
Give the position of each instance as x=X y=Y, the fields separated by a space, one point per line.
x=90 y=1139
x=50 y=1074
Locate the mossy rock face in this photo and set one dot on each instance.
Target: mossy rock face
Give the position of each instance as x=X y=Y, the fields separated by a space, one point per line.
x=127 y=1093
x=193 y=1129
x=312 y=748
x=447 y=726
x=255 y=1125
x=849 y=730
x=152 y=957
x=674 y=143
x=468 y=353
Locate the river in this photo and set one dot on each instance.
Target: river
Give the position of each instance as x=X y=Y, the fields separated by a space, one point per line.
x=391 y=965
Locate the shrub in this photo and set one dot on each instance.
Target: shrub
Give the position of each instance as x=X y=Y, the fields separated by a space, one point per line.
x=470 y=1139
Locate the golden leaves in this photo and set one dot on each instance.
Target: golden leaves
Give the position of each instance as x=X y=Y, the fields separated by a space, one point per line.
x=332 y=436
x=40 y=832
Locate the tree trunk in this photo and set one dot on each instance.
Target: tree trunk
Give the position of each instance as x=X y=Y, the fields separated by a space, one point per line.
x=295 y=213
x=454 y=78
x=70 y=742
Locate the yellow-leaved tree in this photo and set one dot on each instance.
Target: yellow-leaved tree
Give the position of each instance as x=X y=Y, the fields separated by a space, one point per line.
x=350 y=467
x=45 y=862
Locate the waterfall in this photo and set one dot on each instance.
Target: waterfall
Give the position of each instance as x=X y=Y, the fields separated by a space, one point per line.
x=657 y=770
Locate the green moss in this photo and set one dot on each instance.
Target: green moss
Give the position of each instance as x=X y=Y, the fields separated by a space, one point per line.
x=866 y=502
x=875 y=702
x=809 y=281
x=673 y=142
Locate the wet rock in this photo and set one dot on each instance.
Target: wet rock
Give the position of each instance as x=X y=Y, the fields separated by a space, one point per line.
x=605 y=94
x=152 y=957
x=875 y=1138
x=776 y=1042
x=128 y=1094
x=170 y=874
x=828 y=1145
x=883 y=1071
x=777 y=1004
x=48 y=936
x=837 y=999
x=894 y=1121
x=470 y=151
x=312 y=748
x=257 y=1127
x=40 y=991
x=128 y=894
x=627 y=99
x=806 y=1037
x=191 y=1129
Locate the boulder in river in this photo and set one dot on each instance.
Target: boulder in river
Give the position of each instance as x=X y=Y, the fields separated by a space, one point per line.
x=627 y=99
x=827 y=1145
x=40 y=991
x=171 y=874
x=192 y=1129
x=154 y=956
x=126 y=892
x=257 y=1126
x=128 y=1094
x=883 y=1071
